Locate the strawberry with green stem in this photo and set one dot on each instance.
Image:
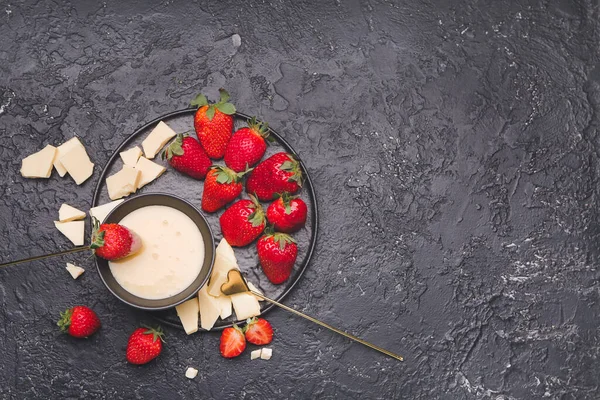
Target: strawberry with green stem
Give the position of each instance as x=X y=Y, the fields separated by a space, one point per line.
x=113 y=241
x=247 y=146
x=277 y=253
x=243 y=222
x=277 y=174
x=213 y=123
x=186 y=155
x=222 y=186
x=287 y=213
x=144 y=345
x=79 y=321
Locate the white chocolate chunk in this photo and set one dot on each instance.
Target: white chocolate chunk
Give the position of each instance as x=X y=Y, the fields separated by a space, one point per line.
x=74 y=270
x=100 y=212
x=61 y=151
x=191 y=373
x=68 y=213
x=209 y=309
x=39 y=165
x=223 y=264
x=225 y=250
x=130 y=157
x=188 y=314
x=255 y=354
x=157 y=139
x=224 y=304
x=123 y=183
x=245 y=305
x=78 y=164
x=73 y=230
x=266 y=353
x=149 y=171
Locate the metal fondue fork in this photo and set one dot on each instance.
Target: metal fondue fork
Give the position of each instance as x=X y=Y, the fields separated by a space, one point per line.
x=237 y=284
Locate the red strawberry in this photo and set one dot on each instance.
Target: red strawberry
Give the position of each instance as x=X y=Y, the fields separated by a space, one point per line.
x=277 y=254
x=186 y=155
x=222 y=186
x=233 y=342
x=242 y=222
x=277 y=174
x=259 y=331
x=214 y=123
x=287 y=213
x=247 y=146
x=145 y=344
x=79 y=322
x=114 y=241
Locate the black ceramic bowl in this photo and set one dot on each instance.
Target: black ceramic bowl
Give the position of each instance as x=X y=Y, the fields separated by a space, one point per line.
x=160 y=199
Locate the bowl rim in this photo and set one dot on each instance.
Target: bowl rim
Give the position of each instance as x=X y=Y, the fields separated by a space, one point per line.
x=203 y=283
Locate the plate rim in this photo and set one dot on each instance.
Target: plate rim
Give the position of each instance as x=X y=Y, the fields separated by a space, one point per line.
x=308 y=186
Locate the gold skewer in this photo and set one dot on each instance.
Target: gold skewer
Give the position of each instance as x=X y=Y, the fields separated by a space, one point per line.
x=331 y=328
x=36 y=258
x=237 y=284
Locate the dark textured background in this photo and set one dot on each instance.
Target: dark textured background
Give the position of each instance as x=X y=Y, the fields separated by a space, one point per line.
x=454 y=148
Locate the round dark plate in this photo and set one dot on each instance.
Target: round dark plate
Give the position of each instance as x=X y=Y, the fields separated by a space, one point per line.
x=160 y=199
x=173 y=182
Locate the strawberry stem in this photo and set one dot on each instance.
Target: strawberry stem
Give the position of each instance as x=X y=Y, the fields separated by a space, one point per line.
x=222 y=105
x=157 y=333
x=97 y=235
x=257 y=218
x=174 y=148
x=293 y=166
x=262 y=128
x=65 y=320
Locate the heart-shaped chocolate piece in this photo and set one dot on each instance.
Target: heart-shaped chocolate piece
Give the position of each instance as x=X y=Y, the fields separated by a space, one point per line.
x=235 y=283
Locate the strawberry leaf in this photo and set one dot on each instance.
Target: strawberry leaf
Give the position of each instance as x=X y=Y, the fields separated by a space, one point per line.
x=157 y=333
x=97 y=236
x=293 y=167
x=223 y=179
x=283 y=240
x=65 y=320
x=261 y=128
x=210 y=113
x=257 y=218
x=288 y=166
x=226 y=108
x=174 y=148
x=224 y=96
x=199 y=101
x=227 y=175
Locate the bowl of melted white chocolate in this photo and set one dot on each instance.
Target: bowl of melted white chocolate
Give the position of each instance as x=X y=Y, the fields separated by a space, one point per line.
x=176 y=256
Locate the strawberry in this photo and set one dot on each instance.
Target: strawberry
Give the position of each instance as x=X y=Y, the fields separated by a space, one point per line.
x=287 y=213
x=233 y=342
x=114 y=241
x=222 y=186
x=277 y=174
x=259 y=331
x=242 y=222
x=186 y=155
x=214 y=123
x=144 y=345
x=79 y=322
x=247 y=146
x=277 y=254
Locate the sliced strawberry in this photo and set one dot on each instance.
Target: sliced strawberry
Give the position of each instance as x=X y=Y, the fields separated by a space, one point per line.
x=259 y=331
x=233 y=342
